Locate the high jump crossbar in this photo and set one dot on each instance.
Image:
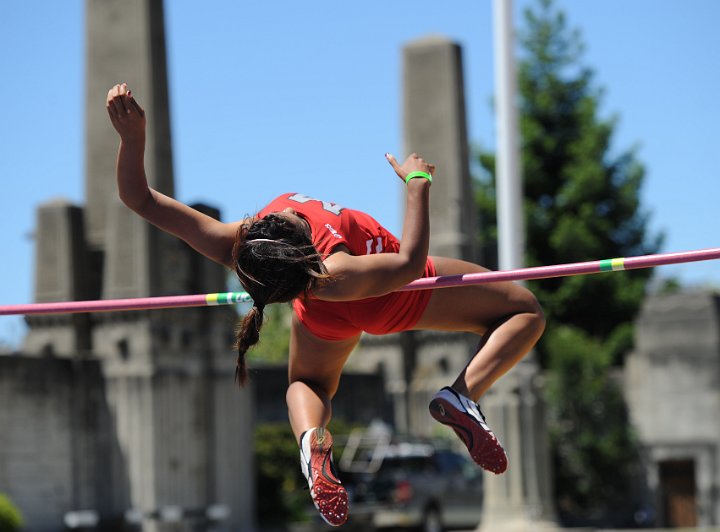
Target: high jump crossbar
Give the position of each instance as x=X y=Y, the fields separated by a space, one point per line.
x=446 y=281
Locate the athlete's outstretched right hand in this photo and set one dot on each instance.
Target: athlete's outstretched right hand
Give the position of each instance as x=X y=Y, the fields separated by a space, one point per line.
x=414 y=163
x=126 y=115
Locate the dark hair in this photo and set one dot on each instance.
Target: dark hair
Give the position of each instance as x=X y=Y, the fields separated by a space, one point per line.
x=276 y=262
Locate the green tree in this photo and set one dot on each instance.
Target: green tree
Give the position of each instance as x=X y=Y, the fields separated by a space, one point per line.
x=581 y=202
x=278 y=479
x=10 y=518
x=275 y=335
x=595 y=453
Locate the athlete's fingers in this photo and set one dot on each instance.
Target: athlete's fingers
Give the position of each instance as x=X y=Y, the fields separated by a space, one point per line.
x=134 y=105
x=393 y=162
x=116 y=97
x=110 y=97
x=109 y=106
x=110 y=115
x=123 y=105
x=111 y=112
x=114 y=102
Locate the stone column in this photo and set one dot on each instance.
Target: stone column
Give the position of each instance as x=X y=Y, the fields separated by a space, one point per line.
x=520 y=500
x=183 y=427
x=60 y=274
x=434 y=126
x=125 y=43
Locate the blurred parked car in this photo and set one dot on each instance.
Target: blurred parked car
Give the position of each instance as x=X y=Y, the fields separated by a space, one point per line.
x=414 y=485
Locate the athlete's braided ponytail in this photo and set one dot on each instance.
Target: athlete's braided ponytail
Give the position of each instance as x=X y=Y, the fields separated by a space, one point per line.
x=247 y=334
x=275 y=262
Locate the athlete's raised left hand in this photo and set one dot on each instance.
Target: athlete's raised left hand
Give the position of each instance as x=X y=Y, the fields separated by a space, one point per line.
x=414 y=163
x=126 y=115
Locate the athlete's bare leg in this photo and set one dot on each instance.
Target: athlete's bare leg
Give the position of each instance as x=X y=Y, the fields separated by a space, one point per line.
x=314 y=373
x=507 y=316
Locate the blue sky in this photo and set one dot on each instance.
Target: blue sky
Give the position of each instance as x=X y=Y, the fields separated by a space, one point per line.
x=268 y=97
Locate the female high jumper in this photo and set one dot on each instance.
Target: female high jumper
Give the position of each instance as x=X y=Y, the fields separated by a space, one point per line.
x=340 y=268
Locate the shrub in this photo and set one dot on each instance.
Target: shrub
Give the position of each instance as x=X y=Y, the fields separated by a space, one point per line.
x=10 y=518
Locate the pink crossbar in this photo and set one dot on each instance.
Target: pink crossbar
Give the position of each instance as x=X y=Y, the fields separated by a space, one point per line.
x=522 y=274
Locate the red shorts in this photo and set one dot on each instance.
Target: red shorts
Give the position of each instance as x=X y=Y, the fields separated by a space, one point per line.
x=391 y=313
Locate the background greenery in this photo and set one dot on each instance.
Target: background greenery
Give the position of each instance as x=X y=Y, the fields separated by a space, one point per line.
x=10 y=518
x=581 y=203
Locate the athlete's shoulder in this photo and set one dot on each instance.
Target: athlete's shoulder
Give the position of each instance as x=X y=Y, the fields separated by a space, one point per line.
x=277 y=203
x=282 y=197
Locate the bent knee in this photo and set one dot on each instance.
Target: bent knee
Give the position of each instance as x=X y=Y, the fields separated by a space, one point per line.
x=523 y=301
x=318 y=386
x=534 y=312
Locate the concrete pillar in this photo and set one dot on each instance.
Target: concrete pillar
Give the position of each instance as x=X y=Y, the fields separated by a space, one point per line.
x=435 y=127
x=520 y=500
x=434 y=120
x=168 y=369
x=60 y=252
x=141 y=260
x=61 y=271
x=125 y=43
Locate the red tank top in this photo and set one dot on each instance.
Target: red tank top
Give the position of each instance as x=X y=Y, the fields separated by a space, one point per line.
x=333 y=225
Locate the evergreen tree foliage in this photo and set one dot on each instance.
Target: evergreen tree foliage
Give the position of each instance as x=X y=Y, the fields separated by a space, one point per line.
x=596 y=460
x=582 y=203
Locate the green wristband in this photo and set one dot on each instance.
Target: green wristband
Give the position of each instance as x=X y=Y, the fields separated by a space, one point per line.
x=413 y=175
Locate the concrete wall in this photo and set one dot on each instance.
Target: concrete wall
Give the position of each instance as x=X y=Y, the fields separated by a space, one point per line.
x=673 y=391
x=73 y=439
x=434 y=125
x=179 y=439
x=56 y=440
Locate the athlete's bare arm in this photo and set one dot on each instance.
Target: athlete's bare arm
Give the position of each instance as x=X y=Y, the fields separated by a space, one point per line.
x=358 y=277
x=208 y=236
